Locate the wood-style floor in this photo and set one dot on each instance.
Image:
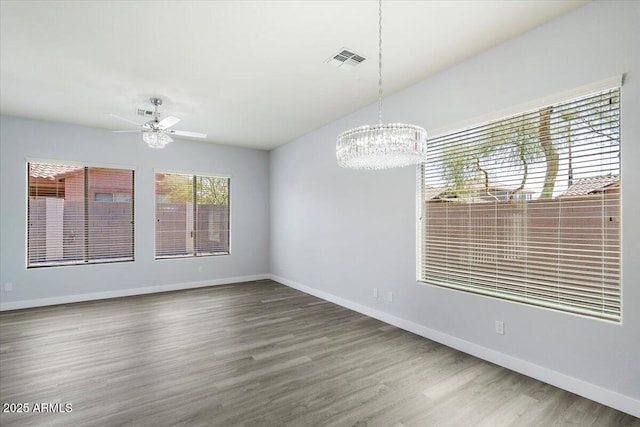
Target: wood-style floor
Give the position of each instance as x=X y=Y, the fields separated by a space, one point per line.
x=260 y=354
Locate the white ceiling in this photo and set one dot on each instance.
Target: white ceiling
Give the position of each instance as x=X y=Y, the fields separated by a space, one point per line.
x=247 y=73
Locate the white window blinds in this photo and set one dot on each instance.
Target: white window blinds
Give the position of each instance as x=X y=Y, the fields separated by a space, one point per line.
x=69 y=222
x=527 y=208
x=188 y=228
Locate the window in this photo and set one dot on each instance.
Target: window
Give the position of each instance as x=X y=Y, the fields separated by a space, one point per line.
x=527 y=208
x=185 y=228
x=71 y=221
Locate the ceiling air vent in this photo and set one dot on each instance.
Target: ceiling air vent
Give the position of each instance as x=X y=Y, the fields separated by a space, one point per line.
x=345 y=59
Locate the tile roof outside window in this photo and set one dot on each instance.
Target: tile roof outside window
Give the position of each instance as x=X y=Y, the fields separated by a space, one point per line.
x=586 y=186
x=49 y=171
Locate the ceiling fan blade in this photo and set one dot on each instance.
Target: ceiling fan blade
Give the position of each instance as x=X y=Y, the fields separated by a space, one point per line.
x=187 y=133
x=167 y=122
x=115 y=116
x=126 y=131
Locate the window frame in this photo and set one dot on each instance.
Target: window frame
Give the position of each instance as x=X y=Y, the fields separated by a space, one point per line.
x=193 y=175
x=421 y=206
x=86 y=260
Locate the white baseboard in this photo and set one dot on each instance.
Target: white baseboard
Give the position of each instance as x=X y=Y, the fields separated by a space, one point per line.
x=590 y=391
x=67 y=299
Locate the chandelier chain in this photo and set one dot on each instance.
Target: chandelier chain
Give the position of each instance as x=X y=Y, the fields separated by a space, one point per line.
x=380 y=62
x=381 y=146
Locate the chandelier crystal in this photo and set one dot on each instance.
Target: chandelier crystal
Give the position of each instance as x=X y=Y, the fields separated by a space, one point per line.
x=156 y=139
x=387 y=146
x=382 y=146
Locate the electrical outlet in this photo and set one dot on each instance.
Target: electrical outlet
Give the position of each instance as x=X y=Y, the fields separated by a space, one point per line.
x=375 y=292
x=390 y=296
x=200 y=269
x=499 y=327
x=8 y=286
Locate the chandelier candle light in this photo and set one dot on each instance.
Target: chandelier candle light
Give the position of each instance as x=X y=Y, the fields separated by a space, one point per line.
x=381 y=146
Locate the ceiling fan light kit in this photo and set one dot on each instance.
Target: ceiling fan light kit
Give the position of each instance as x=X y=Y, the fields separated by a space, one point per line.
x=156 y=132
x=382 y=146
x=156 y=139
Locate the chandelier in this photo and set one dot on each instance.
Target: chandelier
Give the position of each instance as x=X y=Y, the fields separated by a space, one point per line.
x=382 y=146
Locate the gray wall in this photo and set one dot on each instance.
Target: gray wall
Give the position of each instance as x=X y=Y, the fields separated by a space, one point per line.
x=339 y=233
x=21 y=139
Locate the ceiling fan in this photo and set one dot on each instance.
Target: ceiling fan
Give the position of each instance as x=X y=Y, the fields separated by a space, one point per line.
x=156 y=132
